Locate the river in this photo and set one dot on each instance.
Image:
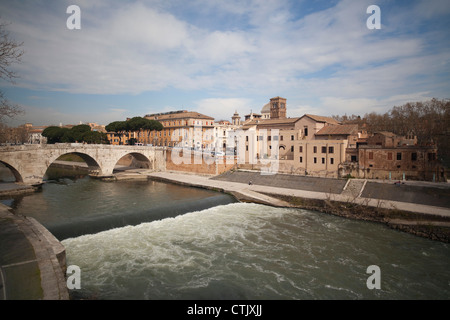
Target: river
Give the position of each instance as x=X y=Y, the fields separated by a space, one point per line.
x=152 y=240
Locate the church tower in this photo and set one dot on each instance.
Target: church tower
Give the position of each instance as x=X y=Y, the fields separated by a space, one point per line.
x=278 y=108
x=236 y=119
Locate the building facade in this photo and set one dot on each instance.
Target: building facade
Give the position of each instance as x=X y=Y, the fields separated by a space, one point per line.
x=294 y=143
x=121 y=138
x=181 y=128
x=387 y=156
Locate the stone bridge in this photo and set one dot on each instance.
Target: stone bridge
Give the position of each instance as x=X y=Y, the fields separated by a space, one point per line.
x=29 y=163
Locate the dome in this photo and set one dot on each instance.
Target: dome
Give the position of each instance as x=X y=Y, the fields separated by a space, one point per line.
x=266 y=108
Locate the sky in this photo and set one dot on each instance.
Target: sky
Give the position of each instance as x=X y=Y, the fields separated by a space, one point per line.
x=132 y=58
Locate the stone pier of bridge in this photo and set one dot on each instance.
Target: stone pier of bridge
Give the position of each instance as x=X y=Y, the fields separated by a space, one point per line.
x=29 y=163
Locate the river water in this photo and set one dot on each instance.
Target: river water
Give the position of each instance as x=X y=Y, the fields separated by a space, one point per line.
x=151 y=240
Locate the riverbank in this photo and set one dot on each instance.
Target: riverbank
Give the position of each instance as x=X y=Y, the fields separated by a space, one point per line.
x=423 y=220
x=37 y=273
x=13 y=189
x=32 y=260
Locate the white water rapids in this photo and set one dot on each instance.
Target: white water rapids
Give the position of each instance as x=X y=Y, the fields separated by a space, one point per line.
x=250 y=251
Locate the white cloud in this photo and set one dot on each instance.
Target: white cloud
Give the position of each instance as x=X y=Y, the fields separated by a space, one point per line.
x=224 y=108
x=135 y=47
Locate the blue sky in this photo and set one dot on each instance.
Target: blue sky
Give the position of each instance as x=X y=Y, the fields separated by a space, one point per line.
x=131 y=58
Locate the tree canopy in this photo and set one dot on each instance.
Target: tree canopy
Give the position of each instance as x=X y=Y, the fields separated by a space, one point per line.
x=428 y=120
x=10 y=53
x=80 y=133
x=134 y=124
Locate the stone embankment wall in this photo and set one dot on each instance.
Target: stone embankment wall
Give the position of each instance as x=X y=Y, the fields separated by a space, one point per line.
x=424 y=225
x=37 y=269
x=190 y=165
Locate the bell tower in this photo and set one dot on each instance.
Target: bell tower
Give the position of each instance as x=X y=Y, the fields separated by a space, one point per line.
x=236 y=119
x=278 y=108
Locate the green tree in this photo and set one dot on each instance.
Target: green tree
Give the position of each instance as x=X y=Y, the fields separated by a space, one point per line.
x=76 y=134
x=94 y=137
x=116 y=126
x=134 y=124
x=80 y=133
x=55 y=134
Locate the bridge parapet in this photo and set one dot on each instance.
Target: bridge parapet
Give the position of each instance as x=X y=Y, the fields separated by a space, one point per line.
x=30 y=162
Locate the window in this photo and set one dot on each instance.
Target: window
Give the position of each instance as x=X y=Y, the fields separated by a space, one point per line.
x=292 y=137
x=269 y=138
x=301 y=159
x=389 y=155
x=331 y=160
x=315 y=160
x=323 y=160
x=370 y=155
x=354 y=159
x=281 y=138
x=301 y=148
x=246 y=138
x=330 y=149
x=414 y=156
x=292 y=148
x=306 y=131
x=246 y=148
x=399 y=156
x=315 y=149
x=324 y=149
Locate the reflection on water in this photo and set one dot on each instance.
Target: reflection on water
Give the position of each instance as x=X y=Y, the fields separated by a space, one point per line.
x=56 y=173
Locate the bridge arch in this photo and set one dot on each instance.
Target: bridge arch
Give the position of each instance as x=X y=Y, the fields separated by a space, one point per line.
x=14 y=171
x=93 y=166
x=29 y=163
x=135 y=159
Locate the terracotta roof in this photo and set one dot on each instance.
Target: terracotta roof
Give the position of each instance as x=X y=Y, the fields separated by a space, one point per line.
x=322 y=119
x=343 y=129
x=178 y=115
x=269 y=122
